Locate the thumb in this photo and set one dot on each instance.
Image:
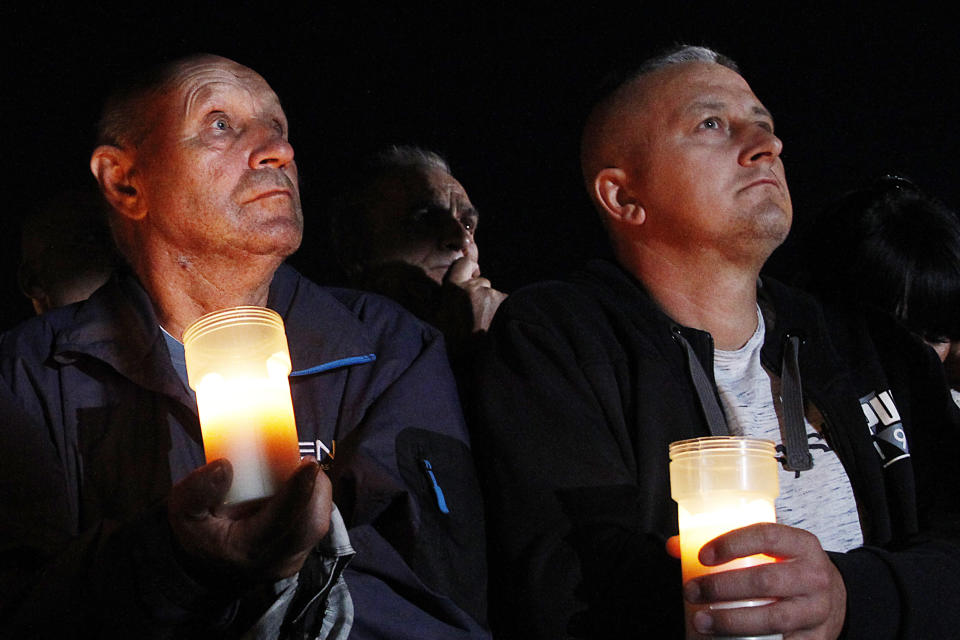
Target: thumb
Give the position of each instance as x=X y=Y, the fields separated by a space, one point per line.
x=462 y=270
x=204 y=489
x=673 y=546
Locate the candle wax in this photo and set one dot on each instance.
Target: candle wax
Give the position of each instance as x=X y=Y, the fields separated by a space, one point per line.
x=250 y=422
x=703 y=520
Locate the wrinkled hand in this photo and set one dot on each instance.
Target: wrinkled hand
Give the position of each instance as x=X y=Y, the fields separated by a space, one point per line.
x=263 y=541
x=811 y=597
x=484 y=299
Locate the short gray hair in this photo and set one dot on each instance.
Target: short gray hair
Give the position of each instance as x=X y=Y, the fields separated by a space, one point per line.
x=403 y=156
x=602 y=121
x=345 y=219
x=679 y=54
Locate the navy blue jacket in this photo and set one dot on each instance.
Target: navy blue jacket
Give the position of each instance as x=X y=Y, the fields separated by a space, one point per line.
x=103 y=426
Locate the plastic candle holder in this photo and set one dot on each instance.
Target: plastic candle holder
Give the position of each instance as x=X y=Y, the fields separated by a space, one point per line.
x=721 y=483
x=238 y=363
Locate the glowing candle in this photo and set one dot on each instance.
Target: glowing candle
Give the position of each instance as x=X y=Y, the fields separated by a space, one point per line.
x=238 y=363
x=720 y=484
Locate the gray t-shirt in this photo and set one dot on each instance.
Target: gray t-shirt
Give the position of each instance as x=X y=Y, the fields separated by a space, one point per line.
x=819 y=500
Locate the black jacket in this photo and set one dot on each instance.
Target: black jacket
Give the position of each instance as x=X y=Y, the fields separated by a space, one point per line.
x=582 y=390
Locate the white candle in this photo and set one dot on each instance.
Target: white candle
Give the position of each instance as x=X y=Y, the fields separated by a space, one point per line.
x=238 y=364
x=721 y=483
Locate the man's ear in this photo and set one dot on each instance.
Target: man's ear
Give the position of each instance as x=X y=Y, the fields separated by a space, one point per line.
x=611 y=190
x=111 y=166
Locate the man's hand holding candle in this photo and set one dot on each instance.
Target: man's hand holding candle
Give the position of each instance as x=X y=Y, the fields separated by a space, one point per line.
x=811 y=597
x=260 y=541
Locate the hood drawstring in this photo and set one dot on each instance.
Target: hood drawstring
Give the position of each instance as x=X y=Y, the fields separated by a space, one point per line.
x=791 y=394
x=794 y=430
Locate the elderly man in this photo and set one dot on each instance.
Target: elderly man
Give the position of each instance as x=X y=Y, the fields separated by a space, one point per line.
x=196 y=164
x=587 y=382
x=406 y=228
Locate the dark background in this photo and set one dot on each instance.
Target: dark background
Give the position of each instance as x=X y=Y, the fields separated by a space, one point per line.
x=500 y=90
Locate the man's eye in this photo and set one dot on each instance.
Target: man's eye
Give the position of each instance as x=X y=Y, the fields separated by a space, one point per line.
x=712 y=123
x=221 y=124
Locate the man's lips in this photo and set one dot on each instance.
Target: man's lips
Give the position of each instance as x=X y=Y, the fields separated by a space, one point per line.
x=762 y=181
x=268 y=194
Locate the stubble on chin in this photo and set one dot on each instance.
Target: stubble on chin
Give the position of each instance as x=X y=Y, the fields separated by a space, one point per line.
x=765 y=225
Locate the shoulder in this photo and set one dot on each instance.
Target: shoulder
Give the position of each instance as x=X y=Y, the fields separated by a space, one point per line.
x=599 y=289
x=364 y=309
x=36 y=336
x=347 y=319
x=599 y=314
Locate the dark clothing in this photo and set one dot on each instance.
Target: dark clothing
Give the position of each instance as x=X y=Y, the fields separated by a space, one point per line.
x=112 y=427
x=582 y=391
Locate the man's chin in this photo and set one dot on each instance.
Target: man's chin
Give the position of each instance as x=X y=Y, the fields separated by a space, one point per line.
x=771 y=221
x=279 y=239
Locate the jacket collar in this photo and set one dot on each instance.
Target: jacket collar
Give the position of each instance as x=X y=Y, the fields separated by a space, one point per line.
x=320 y=329
x=777 y=303
x=118 y=326
x=625 y=290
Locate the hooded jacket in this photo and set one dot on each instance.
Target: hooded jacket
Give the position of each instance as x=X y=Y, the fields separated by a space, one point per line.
x=584 y=386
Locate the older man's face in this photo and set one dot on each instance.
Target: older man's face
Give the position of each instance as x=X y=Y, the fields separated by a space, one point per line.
x=217 y=169
x=706 y=164
x=422 y=217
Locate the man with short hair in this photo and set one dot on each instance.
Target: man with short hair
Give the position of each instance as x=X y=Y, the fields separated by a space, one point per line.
x=405 y=227
x=587 y=382
x=197 y=167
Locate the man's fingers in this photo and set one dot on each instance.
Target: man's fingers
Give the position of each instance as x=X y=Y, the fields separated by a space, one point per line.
x=202 y=491
x=299 y=515
x=790 y=616
x=811 y=596
x=774 y=540
x=772 y=580
x=462 y=270
x=744 y=621
x=290 y=501
x=673 y=546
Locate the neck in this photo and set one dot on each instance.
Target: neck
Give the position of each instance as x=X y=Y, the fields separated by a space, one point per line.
x=710 y=295
x=184 y=287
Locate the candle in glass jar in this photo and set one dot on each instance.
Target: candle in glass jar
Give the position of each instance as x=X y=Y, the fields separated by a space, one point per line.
x=238 y=363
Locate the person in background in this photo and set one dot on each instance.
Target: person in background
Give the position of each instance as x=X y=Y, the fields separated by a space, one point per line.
x=66 y=251
x=195 y=160
x=404 y=227
x=585 y=383
x=889 y=247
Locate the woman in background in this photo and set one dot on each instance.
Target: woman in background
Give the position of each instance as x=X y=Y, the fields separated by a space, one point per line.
x=891 y=247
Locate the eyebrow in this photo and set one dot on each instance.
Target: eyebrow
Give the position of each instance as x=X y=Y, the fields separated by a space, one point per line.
x=711 y=105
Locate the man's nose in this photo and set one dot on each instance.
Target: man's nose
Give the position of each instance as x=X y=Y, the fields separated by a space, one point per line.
x=760 y=145
x=271 y=150
x=456 y=237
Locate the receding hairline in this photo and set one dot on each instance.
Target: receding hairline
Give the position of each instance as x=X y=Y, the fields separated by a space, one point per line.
x=121 y=121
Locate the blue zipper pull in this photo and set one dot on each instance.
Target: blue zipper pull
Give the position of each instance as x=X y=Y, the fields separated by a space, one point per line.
x=438 y=492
